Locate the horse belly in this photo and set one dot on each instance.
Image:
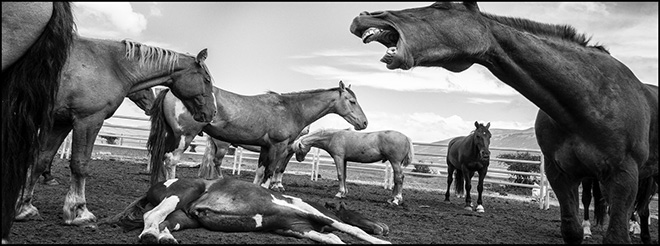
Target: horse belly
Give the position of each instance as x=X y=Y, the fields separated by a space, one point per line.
x=215 y=221
x=364 y=155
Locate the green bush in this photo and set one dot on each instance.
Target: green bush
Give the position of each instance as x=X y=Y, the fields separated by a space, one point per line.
x=110 y=140
x=421 y=168
x=521 y=167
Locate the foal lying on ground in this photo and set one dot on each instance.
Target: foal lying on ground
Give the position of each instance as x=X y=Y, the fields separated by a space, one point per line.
x=232 y=205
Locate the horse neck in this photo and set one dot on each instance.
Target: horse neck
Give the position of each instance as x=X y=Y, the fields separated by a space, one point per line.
x=553 y=75
x=313 y=105
x=145 y=73
x=318 y=139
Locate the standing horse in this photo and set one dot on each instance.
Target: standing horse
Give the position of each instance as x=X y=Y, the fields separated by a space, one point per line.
x=271 y=120
x=595 y=117
x=345 y=145
x=232 y=205
x=96 y=78
x=36 y=41
x=466 y=155
x=143 y=99
x=217 y=149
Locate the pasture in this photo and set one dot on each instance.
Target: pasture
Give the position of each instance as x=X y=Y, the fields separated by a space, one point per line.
x=116 y=181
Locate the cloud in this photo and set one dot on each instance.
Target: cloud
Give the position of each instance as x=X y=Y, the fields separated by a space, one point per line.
x=476 y=100
x=109 y=19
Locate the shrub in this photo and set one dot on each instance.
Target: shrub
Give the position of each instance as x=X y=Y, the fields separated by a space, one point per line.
x=110 y=140
x=521 y=167
x=421 y=168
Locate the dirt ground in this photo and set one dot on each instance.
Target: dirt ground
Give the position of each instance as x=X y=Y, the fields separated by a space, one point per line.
x=424 y=218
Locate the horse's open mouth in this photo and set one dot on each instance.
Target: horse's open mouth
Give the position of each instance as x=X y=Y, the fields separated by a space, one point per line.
x=389 y=37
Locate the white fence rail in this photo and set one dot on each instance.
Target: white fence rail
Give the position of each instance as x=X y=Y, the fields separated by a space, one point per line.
x=494 y=176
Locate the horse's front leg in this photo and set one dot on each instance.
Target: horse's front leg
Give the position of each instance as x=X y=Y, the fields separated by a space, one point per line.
x=340 y=163
x=467 y=176
x=262 y=165
x=450 y=179
x=621 y=188
x=397 y=196
x=480 y=190
x=24 y=208
x=566 y=190
x=278 y=153
x=75 y=204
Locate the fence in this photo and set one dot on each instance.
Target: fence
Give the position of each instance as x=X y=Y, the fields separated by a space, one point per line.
x=495 y=175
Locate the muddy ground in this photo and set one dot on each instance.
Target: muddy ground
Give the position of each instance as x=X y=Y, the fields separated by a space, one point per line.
x=424 y=217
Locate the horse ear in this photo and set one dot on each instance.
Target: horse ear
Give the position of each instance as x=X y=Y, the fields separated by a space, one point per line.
x=472 y=6
x=488 y=125
x=341 y=85
x=202 y=56
x=476 y=124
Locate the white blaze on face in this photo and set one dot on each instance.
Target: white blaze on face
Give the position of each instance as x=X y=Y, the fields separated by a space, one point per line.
x=258 y=219
x=169 y=182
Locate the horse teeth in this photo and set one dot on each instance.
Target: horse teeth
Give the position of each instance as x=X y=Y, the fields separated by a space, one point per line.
x=391 y=50
x=371 y=32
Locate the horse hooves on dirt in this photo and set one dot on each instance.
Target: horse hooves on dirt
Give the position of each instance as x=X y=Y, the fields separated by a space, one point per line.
x=468 y=208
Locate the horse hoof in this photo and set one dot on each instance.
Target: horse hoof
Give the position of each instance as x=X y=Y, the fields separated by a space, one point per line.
x=28 y=213
x=168 y=240
x=586 y=237
x=480 y=209
x=394 y=202
x=148 y=239
x=468 y=208
x=51 y=182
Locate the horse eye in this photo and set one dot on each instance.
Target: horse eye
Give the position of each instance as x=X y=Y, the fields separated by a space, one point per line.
x=353 y=102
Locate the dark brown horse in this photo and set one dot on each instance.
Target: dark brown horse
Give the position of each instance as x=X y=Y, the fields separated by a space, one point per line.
x=466 y=155
x=595 y=119
x=143 y=99
x=97 y=77
x=345 y=145
x=36 y=41
x=272 y=121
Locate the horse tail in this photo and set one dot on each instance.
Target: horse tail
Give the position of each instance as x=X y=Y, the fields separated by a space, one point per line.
x=646 y=189
x=600 y=204
x=161 y=138
x=206 y=168
x=458 y=182
x=131 y=218
x=411 y=153
x=29 y=91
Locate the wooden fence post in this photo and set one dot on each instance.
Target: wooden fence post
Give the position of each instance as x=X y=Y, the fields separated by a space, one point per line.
x=240 y=159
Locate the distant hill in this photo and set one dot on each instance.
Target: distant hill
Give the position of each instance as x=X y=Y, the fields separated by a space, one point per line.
x=505 y=138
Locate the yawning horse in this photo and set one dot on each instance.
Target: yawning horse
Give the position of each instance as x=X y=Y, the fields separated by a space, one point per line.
x=36 y=41
x=271 y=120
x=466 y=155
x=364 y=147
x=96 y=78
x=231 y=205
x=595 y=119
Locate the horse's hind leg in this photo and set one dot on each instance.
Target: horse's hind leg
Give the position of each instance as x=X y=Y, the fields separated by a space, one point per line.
x=566 y=190
x=340 y=164
x=617 y=186
x=450 y=179
x=75 y=204
x=397 y=196
x=586 y=202
x=279 y=171
x=25 y=209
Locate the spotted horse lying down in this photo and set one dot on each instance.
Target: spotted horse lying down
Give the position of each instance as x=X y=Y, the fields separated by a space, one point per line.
x=231 y=205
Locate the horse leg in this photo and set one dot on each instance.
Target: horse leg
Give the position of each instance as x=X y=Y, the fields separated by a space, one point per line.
x=450 y=179
x=215 y=151
x=621 y=193
x=566 y=190
x=340 y=164
x=279 y=172
x=175 y=221
x=24 y=208
x=75 y=204
x=586 y=202
x=467 y=177
x=278 y=152
x=262 y=165
x=480 y=190
x=397 y=196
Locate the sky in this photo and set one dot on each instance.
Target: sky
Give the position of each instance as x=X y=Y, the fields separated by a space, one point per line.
x=255 y=47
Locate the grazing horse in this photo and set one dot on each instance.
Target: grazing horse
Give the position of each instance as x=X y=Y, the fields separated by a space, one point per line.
x=36 y=41
x=143 y=99
x=232 y=205
x=96 y=78
x=345 y=145
x=466 y=155
x=595 y=117
x=217 y=149
x=271 y=121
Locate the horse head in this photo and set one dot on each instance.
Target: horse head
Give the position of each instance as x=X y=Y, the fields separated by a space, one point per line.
x=426 y=36
x=193 y=85
x=348 y=107
x=300 y=149
x=481 y=137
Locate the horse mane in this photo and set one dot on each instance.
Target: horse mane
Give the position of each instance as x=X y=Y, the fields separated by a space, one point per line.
x=309 y=92
x=562 y=32
x=147 y=55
